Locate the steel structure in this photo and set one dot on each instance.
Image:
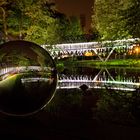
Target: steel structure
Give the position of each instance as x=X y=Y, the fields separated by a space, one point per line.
x=102 y=49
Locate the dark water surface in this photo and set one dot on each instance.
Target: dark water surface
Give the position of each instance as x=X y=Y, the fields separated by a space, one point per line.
x=108 y=108
x=113 y=94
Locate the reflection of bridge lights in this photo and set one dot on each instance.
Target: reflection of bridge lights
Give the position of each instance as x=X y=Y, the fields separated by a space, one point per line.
x=36 y=79
x=101 y=80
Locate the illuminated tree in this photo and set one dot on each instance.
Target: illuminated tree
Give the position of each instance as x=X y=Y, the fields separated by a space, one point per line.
x=3 y=15
x=107 y=19
x=37 y=21
x=131 y=15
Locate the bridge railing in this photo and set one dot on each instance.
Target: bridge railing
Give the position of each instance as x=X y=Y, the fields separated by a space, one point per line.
x=103 y=49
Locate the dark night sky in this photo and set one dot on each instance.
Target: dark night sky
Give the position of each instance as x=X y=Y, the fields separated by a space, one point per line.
x=76 y=8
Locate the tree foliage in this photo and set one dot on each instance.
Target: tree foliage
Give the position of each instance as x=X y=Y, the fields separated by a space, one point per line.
x=131 y=15
x=3 y=17
x=107 y=19
x=35 y=20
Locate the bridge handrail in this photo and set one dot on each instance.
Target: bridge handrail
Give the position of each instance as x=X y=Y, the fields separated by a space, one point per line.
x=93 y=43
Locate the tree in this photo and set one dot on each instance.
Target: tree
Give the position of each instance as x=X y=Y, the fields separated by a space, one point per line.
x=107 y=19
x=71 y=29
x=75 y=27
x=17 y=21
x=27 y=19
x=12 y=24
x=131 y=15
x=3 y=16
x=53 y=28
x=37 y=21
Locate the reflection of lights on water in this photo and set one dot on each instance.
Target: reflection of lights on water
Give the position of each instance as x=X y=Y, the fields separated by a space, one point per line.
x=97 y=87
x=106 y=82
x=37 y=79
x=97 y=82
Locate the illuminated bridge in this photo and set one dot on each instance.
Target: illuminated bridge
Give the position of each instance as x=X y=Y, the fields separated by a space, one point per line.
x=103 y=50
x=4 y=72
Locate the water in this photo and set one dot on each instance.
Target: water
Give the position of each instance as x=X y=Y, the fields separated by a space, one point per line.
x=114 y=78
x=27 y=94
x=113 y=94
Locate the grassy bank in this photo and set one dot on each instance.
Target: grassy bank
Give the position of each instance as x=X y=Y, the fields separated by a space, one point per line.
x=92 y=63
x=128 y=62
x=9 y=82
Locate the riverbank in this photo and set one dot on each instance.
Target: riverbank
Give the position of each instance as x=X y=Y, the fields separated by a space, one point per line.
x=92 y=63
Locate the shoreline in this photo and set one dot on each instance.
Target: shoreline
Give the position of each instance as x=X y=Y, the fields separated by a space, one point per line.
x=129 y=63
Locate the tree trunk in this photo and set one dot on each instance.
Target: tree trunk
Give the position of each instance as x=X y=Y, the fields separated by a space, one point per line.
x=4 y=24
x=20 y=26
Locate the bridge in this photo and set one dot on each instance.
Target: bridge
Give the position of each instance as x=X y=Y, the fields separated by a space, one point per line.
x=6 y=71
x=103 y=50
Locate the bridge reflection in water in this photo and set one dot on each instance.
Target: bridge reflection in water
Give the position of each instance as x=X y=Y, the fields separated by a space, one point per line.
x=103 y=79
x=118 y=79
